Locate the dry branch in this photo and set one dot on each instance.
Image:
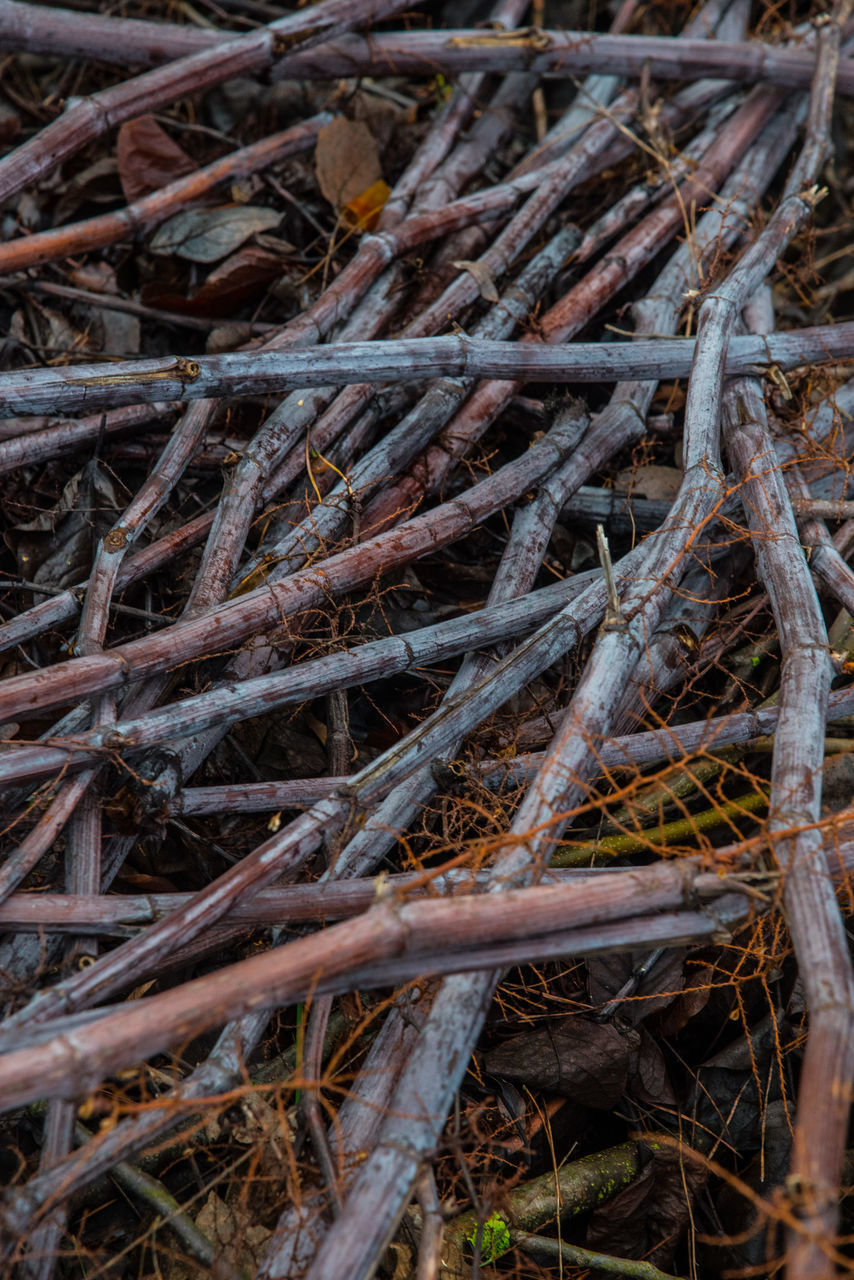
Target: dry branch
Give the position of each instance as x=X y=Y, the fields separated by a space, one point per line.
x=425 y=371
x=176 y=378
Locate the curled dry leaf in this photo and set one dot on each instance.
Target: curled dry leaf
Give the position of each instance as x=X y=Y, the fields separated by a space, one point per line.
x=206 y=235
x=364 y=211
x=148 y=158
x=657 y=989
x=97 y=277
x=96 y=184
x=645 y=1219
x=230 y=1232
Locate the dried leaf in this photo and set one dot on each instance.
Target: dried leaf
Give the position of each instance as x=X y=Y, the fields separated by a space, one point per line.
x=260 y=1121
x=739 y=1219
x=97 y=277
x=96 y=184
x=583 y=1060
x=148 y=159
x=55 y=548
x=658 y=988
x=228 y=336
x=54 y=334
x=230 y=1229
x=123 y=334
x=661 y=484
x=646 y=1219
x=482 y=277
x=240 y=277
x=689 y=1003
x=142 y=989
x=10 y=122
x=346 y=161
x=734 y=1086
x=238 y=280
x=650 y=1083
x=144 y=883
x=622 y=1221
x=206 y=235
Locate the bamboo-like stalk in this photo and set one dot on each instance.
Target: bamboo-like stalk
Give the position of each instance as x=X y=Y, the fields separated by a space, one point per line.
x=522 y=557
x=121 y=915
x=129 y=42
x=21 y=861
x=289 y=848
x=583 y=300
x=177 y=378
x=221 y=1070
x=414 y=53
x=324 y=521
x=66 y=604
x=293 y=418
x=37 y=440
x=817 y=929
x=626 y=397
x=651 y=747
x=376 y=660
x=58 y=1136
x=369 y=772
x=506 y=11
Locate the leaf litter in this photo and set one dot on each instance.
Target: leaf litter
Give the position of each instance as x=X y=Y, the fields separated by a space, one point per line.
x=684 y=1065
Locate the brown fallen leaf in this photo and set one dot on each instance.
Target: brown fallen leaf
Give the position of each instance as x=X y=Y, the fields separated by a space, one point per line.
x=661 y=484
x=583 y=1060
x=96 y=184
x=657 y=989
x=148 y=159
x=97 y=277
x=482 y=277
x=346 y=161
x=238 y=280
x=229 y=1230
x=645 y=1219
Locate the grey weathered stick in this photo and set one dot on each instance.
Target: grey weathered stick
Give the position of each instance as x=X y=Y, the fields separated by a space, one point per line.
x=267 y=606
x=413 y=53
x=818 y=931
x=90 y=387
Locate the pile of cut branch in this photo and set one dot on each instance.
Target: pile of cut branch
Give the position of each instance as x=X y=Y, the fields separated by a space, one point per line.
x=426 y=629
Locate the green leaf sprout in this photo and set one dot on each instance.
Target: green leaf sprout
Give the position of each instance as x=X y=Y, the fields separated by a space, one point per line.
x=494 y=1240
